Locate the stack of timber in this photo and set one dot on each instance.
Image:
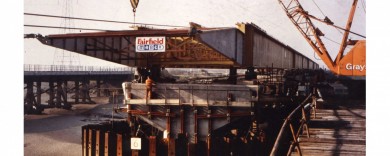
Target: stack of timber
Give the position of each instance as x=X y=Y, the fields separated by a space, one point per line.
x=336 y=130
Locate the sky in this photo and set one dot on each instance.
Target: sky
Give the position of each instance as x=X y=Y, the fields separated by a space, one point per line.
x=267 y=14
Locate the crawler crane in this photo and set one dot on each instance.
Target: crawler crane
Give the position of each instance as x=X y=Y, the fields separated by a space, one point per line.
x=353 y=63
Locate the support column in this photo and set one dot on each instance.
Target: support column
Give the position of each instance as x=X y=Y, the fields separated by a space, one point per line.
x=232 y=75
x=152 y=146
x=39 y=92
x=65 y=95
x=77 y=91
x=171 y=140
x=58 y=94
x=98 y=87
x=209 y=132
x=51 y=93
x=29 y=96
x=208 y=144
x=132 y=132
x=155 y=73
x=171 y=147
x=119 y=151
x=196 y=126
x=86 y=91
x=182 y=124
x=181 y=144
x=134 y=153
x=250 y=73
x=83 y=91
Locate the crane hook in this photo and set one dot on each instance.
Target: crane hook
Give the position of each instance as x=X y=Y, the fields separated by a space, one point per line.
x=134 y=4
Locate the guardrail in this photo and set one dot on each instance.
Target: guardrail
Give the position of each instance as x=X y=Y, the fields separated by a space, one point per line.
x=35 y=67
x=288 y=125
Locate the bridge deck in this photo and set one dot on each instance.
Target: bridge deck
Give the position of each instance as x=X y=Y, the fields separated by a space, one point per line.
x=336 y=131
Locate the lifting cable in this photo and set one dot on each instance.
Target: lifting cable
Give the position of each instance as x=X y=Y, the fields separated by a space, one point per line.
x=331 y=40
x=335 y=42
x=134 y=4
x=363 y=5
x=318 y=8
x=56 y=27
x=314 y=54
x=324 y=14
x=98 y=20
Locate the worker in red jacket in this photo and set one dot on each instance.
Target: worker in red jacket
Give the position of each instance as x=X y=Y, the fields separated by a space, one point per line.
x=149 y=83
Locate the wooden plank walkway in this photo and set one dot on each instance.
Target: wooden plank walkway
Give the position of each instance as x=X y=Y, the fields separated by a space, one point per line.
x=336 y=131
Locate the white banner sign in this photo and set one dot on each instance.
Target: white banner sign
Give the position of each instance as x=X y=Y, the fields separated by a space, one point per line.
x=135 y=143
x=150 y=44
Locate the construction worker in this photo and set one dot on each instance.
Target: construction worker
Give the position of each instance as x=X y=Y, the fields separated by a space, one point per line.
x=149 y=83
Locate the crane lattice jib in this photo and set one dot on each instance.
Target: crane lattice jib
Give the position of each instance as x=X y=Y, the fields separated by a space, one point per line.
x=299 y=18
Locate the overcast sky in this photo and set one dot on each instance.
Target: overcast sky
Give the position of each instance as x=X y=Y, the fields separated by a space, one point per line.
x=267 y=14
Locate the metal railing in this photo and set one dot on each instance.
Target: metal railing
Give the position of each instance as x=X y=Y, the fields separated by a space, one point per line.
x=246 y=93
x=37 y=67
x=288 y=125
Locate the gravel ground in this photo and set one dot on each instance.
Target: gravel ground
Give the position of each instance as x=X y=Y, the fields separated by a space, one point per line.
x=57 y=132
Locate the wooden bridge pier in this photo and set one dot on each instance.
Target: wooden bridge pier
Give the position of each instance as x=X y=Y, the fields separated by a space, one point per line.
x=57 y=94
x=62 y=84
x=77 y=91
x=39 y=92
x=98 y=87
x=51 y=93
x=85 y=97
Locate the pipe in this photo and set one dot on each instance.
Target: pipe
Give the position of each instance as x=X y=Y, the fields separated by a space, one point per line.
x=275 y=148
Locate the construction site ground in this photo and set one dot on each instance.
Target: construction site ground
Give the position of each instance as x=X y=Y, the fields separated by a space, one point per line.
x=58 y=131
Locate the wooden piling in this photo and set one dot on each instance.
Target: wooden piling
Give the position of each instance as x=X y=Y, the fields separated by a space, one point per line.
x=106 y=143
x=171 y=147
x=83 y=92
x=97 y=142
x=51 y=93
x=119 y=145
x=84 y=140
x=65 y=95
x=77 y=91
x=89 y=142
x=30 y=95
x=98 y=87
x=58 y=94
x=39 y=92
x=152 y=145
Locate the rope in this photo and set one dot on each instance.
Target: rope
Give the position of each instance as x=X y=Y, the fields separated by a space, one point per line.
x=364 y=6
x=324 y=14
x=134 y=16
x=55 y=27
x=97 y=20
x=314 y=54
x=318 y=8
